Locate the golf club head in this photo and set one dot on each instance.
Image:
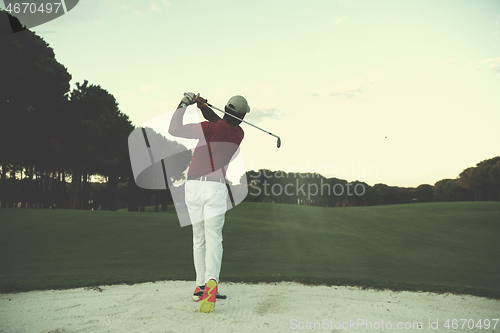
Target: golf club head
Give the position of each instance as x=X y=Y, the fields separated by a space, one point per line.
x=279 y=142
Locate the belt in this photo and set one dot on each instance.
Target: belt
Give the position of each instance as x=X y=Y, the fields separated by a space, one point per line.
x=207 y=179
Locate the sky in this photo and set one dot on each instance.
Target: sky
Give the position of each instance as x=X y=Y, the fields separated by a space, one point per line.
x=396 y=92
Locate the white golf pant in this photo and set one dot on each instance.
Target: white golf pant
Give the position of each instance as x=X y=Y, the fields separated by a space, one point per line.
x=207 y=205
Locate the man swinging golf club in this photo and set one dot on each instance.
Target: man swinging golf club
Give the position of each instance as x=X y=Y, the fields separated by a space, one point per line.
x=205 y=190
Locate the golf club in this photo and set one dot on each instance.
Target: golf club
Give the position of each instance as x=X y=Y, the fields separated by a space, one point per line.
x=246 y=122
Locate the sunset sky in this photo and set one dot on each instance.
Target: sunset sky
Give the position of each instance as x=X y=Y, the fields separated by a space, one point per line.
x=396 y=92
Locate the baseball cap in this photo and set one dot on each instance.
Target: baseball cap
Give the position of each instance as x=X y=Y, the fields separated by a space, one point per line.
x=238 y=104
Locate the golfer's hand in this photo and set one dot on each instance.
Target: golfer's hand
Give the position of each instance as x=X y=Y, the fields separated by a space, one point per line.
x=200 y=102
x=189 y=98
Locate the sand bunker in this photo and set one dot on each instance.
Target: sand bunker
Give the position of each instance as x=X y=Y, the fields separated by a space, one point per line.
x=283 y=307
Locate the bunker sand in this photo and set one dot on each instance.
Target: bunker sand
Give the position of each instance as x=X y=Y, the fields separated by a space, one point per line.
x=167 y=306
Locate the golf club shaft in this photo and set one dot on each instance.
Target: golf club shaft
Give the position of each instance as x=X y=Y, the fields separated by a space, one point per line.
x=246 y=122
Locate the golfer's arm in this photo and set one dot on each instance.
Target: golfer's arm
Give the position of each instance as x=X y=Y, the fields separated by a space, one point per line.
x=209 y=114
x=176 y=127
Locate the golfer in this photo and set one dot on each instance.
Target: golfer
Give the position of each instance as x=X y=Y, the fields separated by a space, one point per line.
x=205 y=189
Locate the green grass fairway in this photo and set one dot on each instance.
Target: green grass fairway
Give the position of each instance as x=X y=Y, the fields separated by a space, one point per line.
x=441 y=247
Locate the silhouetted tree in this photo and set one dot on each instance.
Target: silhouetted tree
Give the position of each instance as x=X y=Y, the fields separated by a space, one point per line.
x=450 y=190
x=424 y=193
x=494 y=177
x=33 y=88
x=95 y=142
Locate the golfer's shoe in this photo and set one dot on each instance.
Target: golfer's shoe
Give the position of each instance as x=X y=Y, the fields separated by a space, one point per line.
x=207 y=303
x=198 y=294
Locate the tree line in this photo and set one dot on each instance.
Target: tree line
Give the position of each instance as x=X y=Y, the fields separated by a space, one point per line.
x=68 y=149
x=53 y=141
x=61 y=148
x=478 y=183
